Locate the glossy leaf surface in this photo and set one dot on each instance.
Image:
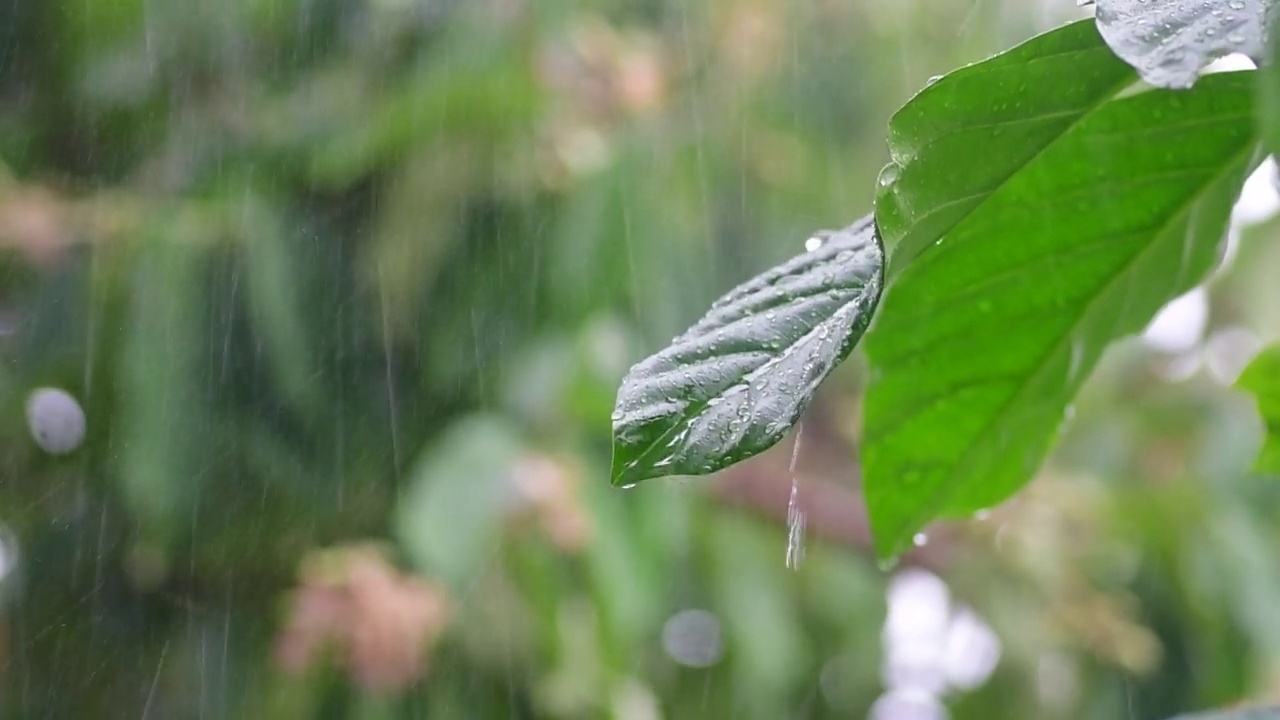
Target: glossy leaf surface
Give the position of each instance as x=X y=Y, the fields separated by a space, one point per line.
x=1248 y=713
x=1269 y=91
x=449 y=520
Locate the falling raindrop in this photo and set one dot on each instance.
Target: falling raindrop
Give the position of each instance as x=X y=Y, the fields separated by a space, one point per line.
x=813 y=243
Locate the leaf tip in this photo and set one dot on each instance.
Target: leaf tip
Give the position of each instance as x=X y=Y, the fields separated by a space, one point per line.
x=622 y=473
x=892 y=535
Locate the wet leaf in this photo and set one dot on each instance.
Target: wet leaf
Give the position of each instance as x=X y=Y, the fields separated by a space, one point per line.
x=981 y=344
x=1012 y=105
x=734 y=384
x=1262 y=380
x=1170 y=41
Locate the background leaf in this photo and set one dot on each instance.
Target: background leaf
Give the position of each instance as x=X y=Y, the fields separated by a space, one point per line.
x=1262 y=379
x=932 y=183
x=981 y=344
x=733 y=384
x=449 y=519
x=1169 y=41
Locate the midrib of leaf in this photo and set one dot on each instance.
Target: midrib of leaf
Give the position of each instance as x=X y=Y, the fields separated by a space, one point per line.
x=1031 y=379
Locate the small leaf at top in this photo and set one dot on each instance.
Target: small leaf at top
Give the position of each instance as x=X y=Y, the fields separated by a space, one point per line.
x=981 y=344
x=734 y=384
x=1009 y=108
x=1262 y=380
x=1170 y=41
x=1242 y=713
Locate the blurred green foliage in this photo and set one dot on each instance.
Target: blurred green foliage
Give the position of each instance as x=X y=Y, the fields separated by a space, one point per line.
x=345 y=288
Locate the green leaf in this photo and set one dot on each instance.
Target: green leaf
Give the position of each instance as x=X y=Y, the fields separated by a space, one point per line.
x=449 y=519
x=1262 y=380
x=1254 y=713
x=981 y=344
x=1170 y=41
x=733 y=384
x=1012 y=106
x=275 y=301
x=161 y=386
